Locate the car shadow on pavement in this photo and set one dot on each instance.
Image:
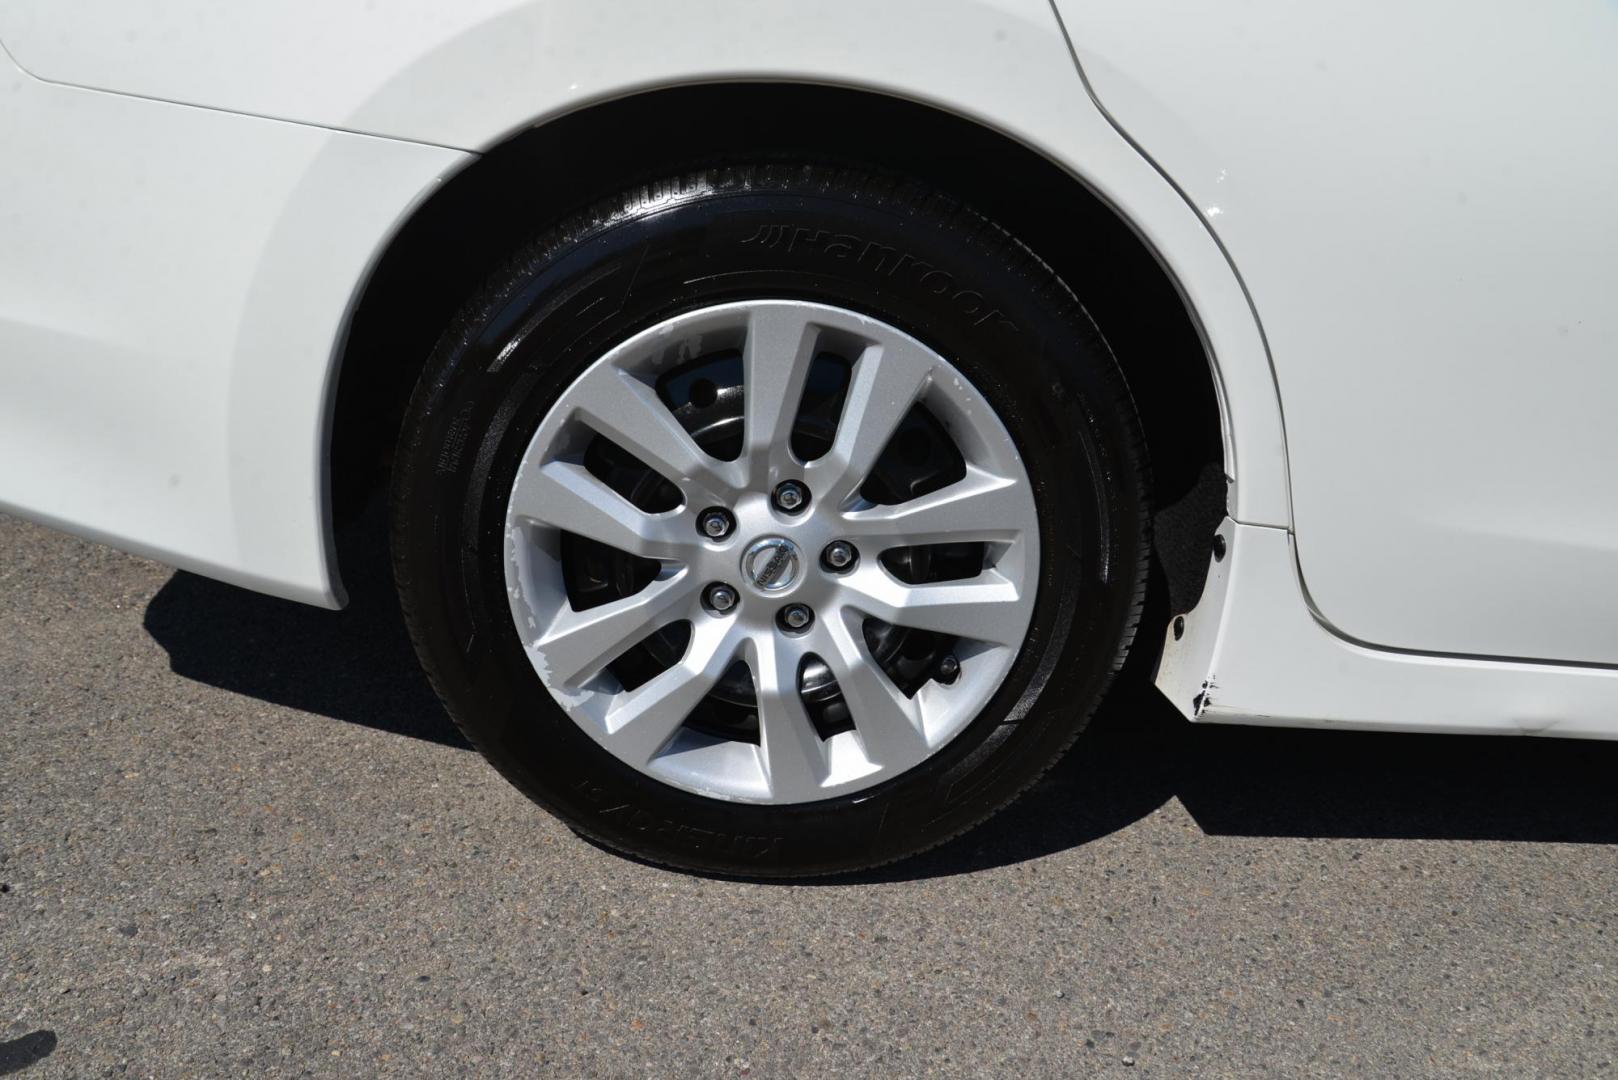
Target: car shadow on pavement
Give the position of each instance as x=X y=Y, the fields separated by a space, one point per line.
x=1274 y=782
x=357 y=666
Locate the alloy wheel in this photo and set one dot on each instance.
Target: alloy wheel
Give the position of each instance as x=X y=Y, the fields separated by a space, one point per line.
x=773 y=625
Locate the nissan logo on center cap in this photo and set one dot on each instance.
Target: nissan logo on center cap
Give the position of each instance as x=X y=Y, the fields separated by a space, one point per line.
x=771 y=564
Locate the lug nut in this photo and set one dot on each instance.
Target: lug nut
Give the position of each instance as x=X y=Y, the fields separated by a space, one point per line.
x=791 y=496
x=839 y=555
x=949 y=668
x=715 y=523
x=796 y=617
x=719 y=598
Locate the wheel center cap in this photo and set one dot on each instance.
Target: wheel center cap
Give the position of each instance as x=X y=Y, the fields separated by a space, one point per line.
x=772 y=565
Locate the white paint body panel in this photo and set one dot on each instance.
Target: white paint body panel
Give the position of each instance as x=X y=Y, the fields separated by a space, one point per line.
x=1420 y=199
x=173 y=283
x=1253 y=653
x=175 y=280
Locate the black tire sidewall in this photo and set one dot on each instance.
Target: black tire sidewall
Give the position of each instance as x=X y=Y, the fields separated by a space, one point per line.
x=897 y=253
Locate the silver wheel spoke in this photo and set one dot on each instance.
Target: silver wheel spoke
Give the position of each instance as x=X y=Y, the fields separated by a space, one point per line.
x=985 y=608
x=794 y=757
x=567 y=497
x=775 y=365
x=578 y=644
x=755 y=581
x=978 y=507
x=889 y=724
x=643 y=720
x=627 y=411
x=887 y=380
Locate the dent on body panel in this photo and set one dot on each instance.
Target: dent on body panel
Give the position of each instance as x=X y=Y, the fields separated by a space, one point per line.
x=1187 y=665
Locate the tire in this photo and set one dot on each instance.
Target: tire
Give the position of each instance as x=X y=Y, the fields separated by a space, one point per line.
x=929 y=273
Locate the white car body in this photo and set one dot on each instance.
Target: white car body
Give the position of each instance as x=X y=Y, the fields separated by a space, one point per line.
x=1392 y=225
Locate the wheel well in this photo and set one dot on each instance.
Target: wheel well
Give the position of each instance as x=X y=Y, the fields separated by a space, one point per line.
x=479 y=217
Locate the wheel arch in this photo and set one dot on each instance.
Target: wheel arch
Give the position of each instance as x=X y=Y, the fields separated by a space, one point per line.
x=448 y=245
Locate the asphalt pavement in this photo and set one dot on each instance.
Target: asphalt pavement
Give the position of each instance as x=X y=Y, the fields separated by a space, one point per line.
x=238 y=837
